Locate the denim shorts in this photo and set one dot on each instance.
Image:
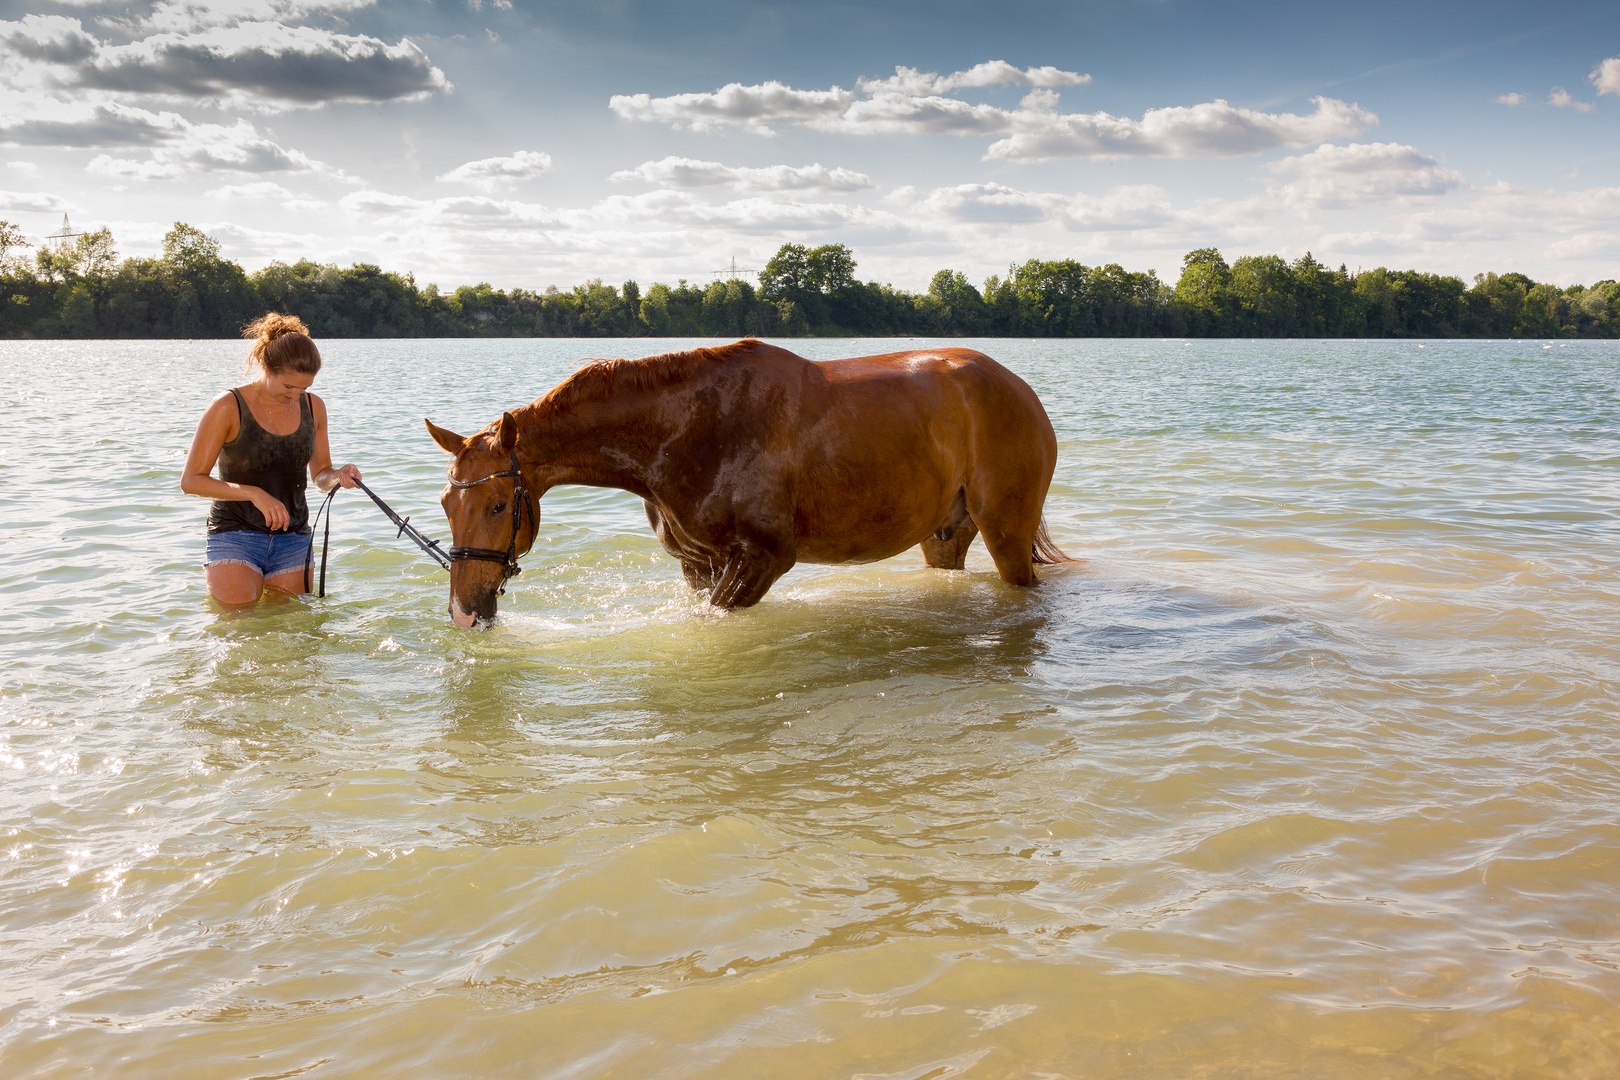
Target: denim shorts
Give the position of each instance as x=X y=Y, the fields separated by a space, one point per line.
x=268 y=553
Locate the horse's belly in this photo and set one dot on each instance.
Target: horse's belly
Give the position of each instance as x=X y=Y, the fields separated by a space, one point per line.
x=874 y=525
x=833 y=551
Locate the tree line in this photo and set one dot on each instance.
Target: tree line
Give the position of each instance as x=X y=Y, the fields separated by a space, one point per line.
x=84 y=290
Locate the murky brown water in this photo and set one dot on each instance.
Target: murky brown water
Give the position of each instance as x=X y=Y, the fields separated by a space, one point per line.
x=1311 y=770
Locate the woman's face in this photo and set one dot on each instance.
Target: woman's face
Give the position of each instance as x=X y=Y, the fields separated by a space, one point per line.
x=285 y=386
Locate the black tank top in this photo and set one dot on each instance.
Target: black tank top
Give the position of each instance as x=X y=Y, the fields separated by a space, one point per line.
x=277 y=463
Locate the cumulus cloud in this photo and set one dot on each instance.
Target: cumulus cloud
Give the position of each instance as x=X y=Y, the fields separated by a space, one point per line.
x=265 y=65
x=48 y=39
x=1510 y=99
x=490 y=173
x=174 y=145
x=183 y=16
x=132 y=169
x=1213 y=129
x=1606 y=76
x=986 y=204
x=32 y=202
x=909 y=99
x=1561 y=98
x=916 y=103
x=1572 y=225
x=258 y=189
x=77 y=126
x=684 y=172
x=662 y=210
x=1129 y=208
x=913 y=83
x=267 y=191
x=751 y=107
x=1362 y=174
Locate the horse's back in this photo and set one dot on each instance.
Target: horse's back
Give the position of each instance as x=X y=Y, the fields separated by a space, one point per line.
x=886 y=443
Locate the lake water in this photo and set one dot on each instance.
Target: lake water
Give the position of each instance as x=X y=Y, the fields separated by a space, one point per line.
x=1311 y=768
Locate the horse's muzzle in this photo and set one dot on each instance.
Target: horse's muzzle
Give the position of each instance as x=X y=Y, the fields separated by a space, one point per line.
x=469 y=620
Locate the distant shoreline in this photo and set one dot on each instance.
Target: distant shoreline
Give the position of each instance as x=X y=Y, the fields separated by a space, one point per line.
x=84 y=291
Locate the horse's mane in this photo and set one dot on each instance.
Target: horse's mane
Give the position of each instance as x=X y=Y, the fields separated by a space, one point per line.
x=600 y=377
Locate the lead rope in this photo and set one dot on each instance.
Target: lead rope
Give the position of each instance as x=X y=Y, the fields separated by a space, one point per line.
x=326 y=541
x=405 y=529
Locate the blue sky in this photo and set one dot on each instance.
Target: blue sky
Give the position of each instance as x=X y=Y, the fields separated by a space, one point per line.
x=540 y=144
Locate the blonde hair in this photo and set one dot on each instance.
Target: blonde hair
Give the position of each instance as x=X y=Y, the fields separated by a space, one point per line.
x=281 y=343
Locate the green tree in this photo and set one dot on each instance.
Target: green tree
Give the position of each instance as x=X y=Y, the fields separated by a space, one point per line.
x=831 y=268
x=957 y=308
x=1204 y=292
x=11 y=239
x=655 y=311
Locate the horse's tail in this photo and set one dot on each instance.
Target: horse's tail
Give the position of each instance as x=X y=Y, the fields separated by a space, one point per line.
x=1045 y=552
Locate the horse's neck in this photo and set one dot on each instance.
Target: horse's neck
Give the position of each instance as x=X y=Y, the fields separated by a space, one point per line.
x=608 y=443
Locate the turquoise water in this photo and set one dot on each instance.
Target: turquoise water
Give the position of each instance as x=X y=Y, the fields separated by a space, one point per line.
x=1310 y=768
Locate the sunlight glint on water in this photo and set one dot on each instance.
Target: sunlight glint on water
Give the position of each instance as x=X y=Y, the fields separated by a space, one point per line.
x=1310 y=769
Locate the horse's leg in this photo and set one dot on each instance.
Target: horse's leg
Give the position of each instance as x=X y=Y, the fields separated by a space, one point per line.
x=950 y=554
x=699 y=575
x=1008 y=522
x=750 y=572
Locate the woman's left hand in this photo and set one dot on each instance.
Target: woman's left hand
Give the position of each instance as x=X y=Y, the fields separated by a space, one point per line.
x=347 y=475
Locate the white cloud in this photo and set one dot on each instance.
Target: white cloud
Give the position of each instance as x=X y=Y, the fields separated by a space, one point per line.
x=183 y=16
x=190 y=148
x=33 y=120
x=1362 y=174
x=752 y=107
x=265 y=65
x=458 y=211
x=986 y=204
x=131 y=169
x=1561 y=99
x=490 y=173
x=174 y=145
x=243 y=242
x=32 y=202
x=258 y=189
x=1213 y=129
x=914 y=103
x=913 y=83
x=27 y=168
x=661 y=210
x=1571 y=225
x=1510 y=99
x=1606 y=76
x=265 y=190
x=683 y=172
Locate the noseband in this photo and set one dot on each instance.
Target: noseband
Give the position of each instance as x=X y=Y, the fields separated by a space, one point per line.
x=520 y=497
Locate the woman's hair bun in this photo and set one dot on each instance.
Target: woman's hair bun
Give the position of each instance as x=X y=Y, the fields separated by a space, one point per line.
x=275 y=354
x=271 y=326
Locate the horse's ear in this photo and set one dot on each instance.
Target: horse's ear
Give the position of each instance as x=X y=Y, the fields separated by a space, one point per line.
x=508 y=431
x=448 y=440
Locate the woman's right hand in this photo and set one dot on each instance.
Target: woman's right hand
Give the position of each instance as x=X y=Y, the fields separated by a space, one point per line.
x=275 y=513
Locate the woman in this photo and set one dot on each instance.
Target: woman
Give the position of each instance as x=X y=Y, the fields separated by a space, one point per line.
x=264 y=435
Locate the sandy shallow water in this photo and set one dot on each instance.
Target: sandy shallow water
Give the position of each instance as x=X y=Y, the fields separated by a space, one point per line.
x=1312 y=768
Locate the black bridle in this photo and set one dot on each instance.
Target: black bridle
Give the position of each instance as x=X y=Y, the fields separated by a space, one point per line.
x=520 y=498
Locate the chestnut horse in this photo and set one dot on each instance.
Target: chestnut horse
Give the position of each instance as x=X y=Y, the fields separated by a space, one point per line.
x=750 y=459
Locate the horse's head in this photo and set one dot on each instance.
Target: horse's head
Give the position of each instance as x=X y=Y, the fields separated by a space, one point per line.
x=493 y=517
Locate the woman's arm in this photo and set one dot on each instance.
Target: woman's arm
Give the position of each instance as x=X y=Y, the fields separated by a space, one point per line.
x=213 y=431
x=320 y=462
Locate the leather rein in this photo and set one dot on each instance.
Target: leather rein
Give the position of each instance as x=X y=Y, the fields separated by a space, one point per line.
x=520 y=498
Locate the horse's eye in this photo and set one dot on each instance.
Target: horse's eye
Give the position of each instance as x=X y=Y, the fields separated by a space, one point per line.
x=497 y=508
